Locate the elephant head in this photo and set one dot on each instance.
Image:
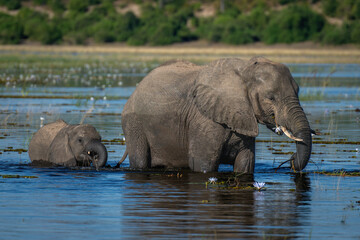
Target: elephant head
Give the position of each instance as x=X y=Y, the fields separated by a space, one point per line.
x=240 y=94
x=68 y=145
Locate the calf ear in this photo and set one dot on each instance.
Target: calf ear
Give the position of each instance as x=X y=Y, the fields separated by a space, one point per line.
x=60 y=152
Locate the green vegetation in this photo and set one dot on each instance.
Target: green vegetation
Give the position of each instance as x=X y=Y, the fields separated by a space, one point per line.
x=296 y=23
x=340 y=173
x=166 y=22
x=17 y=176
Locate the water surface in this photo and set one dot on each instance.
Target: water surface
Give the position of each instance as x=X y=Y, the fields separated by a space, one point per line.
x=112 y=204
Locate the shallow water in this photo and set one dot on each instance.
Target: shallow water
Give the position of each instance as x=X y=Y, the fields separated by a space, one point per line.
x=112 y=204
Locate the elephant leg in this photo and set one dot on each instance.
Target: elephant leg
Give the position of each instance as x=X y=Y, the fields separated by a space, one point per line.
x=201 y=162
x=245 y=159
x=205 y=147
x=139 y=152
x=137 y=145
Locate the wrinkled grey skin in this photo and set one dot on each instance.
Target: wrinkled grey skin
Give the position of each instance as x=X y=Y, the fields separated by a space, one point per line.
x=185 y=115
x=68 y=145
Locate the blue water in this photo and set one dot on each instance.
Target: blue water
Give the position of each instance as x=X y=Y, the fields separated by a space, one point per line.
x=82 y=203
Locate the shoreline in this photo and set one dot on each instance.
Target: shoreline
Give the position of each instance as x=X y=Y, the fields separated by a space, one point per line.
x=195 y=51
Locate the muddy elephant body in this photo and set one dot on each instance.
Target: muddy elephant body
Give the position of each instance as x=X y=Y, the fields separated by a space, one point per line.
x=185 y=115
x=59 y=143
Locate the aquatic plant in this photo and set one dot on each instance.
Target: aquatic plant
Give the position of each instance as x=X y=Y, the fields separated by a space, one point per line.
x=259 y=185
x=212 y=180
x=339 y=173
x=42 y=122
x=17 y=176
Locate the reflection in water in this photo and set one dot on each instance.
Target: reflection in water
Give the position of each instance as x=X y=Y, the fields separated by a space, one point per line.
x=156 y=205
x=283 y=212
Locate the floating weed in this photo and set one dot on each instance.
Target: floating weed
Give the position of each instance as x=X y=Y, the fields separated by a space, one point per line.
x=115 y=141
x=235 y=182
x=339 y=173
x=356 y=150
x=11 y=149
x=336 y=141
x=17 y=176
x=353 y=206
x=283 y=153
x=178 y=175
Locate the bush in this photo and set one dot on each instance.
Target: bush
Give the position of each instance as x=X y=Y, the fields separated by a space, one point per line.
x=40 y=2
x=295 y=24
x=234 y=28
x=103 y=31
x=14 y=4
x=11 y=4
x=237 y=32
x=125 y=26
x=115 y=28
x=78 y=6
x=10 y=29
x=284 y=2
x=156 y=28
x=57 y=6
x=75 y=37
x=51 y=34
x=37 y=27
x=175 y=22
x=330 y=7
x=355 y=32
x=335 y=35
x=355 y=10
x=257 y=21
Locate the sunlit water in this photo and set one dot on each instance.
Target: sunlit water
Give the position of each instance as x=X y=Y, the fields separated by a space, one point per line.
x=111 y=204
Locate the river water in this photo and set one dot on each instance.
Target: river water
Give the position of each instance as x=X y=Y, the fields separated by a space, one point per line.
x=61 y=203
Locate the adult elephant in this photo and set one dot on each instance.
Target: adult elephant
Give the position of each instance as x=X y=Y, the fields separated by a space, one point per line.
x=185 y=115
x=67 y=145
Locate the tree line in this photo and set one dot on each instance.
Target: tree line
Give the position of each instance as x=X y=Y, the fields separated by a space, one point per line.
x=164 y=22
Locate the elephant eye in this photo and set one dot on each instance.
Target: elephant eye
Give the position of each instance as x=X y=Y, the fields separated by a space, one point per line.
x=80 y=140
x=271 y=98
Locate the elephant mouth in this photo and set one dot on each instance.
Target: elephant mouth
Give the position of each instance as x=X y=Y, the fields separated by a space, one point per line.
x=93 y=157
x=281 y=130
x=96 y=153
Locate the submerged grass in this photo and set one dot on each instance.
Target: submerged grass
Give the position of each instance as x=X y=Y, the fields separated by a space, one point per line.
x=339 y=173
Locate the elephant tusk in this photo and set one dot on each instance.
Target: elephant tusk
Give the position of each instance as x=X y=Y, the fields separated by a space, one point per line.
x=289 y=135
x=278 y=130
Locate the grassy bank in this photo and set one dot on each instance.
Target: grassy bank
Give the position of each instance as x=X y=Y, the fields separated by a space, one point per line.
x=198 y=52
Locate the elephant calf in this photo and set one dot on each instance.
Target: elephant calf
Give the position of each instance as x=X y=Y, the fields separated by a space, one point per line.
x=67 y=145
x=186 y=115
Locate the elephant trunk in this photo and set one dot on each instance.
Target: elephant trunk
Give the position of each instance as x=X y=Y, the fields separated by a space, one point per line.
x=298 y=125
x=97 y=152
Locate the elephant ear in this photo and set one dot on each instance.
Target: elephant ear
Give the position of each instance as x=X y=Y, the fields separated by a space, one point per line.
x=40 y=142
x=60 y=152
x=221 y=95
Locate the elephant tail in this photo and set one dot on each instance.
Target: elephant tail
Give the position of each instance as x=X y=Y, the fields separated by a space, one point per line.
x=122 y=159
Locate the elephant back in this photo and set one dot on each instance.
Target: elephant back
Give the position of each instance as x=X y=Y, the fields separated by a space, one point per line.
x=42 y=139
x=166 y=84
